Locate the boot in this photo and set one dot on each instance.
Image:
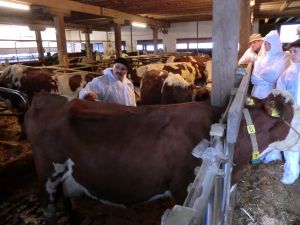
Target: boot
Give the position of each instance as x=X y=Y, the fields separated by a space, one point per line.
x=291 y=167
x=272 y=156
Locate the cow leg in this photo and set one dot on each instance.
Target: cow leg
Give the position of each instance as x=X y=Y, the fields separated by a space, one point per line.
x=52 y=191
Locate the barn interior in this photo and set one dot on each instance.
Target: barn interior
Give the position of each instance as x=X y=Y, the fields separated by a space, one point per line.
x=87 y=35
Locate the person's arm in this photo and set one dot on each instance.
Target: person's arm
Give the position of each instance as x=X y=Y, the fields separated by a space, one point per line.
x=272 y=73
x=248 y=57
x=281 y=82
x=92 y=90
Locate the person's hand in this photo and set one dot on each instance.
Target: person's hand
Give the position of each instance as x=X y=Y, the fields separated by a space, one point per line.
x=247 y=60
x=90 y=96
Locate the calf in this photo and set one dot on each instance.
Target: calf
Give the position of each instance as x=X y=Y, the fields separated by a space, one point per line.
x=126 y=154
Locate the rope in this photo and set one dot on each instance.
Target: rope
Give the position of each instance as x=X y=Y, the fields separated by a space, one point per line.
x=290 y=126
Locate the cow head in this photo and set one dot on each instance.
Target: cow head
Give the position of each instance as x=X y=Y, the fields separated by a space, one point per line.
x=176 y=90
x=269 y=116
x=151 y=86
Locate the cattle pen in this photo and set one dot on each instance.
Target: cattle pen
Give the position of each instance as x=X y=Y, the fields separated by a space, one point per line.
x=54 y=48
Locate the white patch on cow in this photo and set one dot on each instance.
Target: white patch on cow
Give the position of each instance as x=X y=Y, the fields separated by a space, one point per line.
x=192 y=59
x=161 y=73
x=16 y=72
x=51 y=188
x=140 y=71
x=175 y=80
x=63 y=83
x=208 y=69
x=71 y=187
x=171 y=59
x=288 y=97
x=166 y=194
x=186 y=74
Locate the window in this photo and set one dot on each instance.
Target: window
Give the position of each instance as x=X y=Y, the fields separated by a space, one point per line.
x=288 y=33
x=150 y=48
x=139 y=47
x=181 y=46
x=98 y=47
x=148 y=45
x=190 y=45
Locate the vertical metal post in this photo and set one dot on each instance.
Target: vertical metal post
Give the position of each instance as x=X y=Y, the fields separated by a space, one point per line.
x=197 y=34
x=131 y=41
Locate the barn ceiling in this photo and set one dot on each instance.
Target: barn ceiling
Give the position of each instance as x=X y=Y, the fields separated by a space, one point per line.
x=101 y=14
x=192 y=10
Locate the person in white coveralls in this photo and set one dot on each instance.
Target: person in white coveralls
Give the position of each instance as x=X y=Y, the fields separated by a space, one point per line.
x=112 y=87
x=269 y=66
x=290 y=81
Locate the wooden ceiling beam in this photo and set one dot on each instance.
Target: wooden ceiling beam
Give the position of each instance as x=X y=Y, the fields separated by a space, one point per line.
x=295 y=12
x=50 y=23
x=93 y=10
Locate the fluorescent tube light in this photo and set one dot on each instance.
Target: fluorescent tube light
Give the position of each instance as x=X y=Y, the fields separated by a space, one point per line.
x=135 y=24
x=14 y=5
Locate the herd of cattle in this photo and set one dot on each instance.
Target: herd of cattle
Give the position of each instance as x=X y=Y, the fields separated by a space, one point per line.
x=31 y=80
x=124 y=154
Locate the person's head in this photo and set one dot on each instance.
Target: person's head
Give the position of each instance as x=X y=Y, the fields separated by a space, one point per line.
x=294 y=49
x=272 y=43
x=120 y=68
x=255 y=41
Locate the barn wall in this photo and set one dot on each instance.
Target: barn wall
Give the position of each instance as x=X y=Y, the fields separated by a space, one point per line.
x=177 y=30
x=76 y=35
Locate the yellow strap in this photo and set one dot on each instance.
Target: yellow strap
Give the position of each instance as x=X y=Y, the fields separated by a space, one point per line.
x=251 y=129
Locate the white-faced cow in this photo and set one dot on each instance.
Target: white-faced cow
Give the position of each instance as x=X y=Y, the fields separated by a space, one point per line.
x=198 y=61
x=186 y=70
x=126 y=154
x=162 y=87
x=31 y=80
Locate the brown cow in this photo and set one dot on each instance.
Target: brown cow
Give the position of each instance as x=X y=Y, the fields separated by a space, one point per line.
x=162 y=87
x=126 y=154
x=31 y=80
x=197 y=61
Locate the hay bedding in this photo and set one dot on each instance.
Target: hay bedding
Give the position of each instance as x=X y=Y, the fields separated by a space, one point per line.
x=265 y=199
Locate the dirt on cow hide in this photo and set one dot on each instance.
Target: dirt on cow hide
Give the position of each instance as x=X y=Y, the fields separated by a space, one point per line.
x=263 y=200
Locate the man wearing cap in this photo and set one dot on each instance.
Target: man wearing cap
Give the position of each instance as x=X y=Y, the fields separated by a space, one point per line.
x=112 y=87
x=255 y=42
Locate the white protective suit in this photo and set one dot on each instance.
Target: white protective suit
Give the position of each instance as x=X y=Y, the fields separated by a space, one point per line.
x=109 y=89
x=269 y=66
x=289 y=81
x=249 y=54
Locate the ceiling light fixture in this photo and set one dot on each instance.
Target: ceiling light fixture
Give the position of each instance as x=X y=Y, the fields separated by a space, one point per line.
x=135 y=24
x=14 y=5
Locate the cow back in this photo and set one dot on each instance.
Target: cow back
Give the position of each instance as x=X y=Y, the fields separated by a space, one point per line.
x=114 y=146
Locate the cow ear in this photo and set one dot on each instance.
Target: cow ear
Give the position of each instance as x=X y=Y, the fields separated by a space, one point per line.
x=272 y=108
